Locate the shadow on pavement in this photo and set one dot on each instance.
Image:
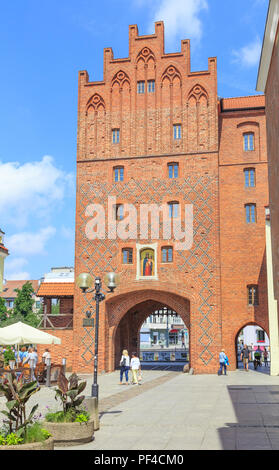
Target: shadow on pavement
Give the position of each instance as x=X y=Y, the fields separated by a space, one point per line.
x=257 y=413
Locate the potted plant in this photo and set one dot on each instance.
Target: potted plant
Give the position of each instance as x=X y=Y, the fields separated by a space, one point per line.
x=9 y=358
x=21 y=432
x=72 y=425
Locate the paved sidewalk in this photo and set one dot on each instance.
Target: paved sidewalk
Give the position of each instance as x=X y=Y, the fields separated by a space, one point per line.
x=109 y=391
x=204 y=412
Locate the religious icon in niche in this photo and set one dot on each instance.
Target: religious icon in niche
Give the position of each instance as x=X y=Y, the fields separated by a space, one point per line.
x=147 y=262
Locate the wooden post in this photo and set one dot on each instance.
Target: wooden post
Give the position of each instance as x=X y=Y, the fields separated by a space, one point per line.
x=48 y=368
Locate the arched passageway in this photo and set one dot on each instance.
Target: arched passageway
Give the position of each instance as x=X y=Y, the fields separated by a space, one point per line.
x=257 y=341
x=127 y=314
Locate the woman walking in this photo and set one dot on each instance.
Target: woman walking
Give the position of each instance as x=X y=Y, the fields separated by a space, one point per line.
x=136 y=368
x=124 y=366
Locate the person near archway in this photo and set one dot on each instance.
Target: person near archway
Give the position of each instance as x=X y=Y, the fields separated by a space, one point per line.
x=224 y=362
x=265 y=355
x=124 y=366
x=136 y=368
x=246 y=357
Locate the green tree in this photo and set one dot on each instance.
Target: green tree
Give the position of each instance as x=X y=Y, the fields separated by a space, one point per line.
x=3 y=310
x=23 y=304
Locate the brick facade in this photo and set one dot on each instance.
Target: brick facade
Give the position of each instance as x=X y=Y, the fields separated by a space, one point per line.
x=207 y=284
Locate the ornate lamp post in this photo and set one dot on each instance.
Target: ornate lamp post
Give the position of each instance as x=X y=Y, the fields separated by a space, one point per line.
x=85 y=282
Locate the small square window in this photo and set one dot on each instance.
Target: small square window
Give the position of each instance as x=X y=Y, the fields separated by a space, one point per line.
x=127 y=256
x=167 y=254
x=141 y=87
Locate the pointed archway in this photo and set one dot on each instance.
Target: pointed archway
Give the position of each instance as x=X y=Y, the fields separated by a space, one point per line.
x=126 y=313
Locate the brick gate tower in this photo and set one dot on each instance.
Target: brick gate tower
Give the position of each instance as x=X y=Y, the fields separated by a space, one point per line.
x=154 y=132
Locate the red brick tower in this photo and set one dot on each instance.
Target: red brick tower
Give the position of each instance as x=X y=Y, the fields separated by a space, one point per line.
x=149 y=119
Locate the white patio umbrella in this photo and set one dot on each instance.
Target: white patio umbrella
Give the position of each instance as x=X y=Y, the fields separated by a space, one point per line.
x=20 y=333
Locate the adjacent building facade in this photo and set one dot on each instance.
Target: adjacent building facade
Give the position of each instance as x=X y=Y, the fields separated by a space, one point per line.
x=9 y=293
x=154 y=132
x=268 y=82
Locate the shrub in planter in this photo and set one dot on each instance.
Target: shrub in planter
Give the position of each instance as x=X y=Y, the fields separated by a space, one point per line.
x=9 y=355
x=20 y=428
x=72 y=424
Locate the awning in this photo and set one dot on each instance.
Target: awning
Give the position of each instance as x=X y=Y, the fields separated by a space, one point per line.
x=173 y=331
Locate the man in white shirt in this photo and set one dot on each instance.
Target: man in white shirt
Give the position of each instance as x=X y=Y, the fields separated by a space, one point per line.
x=46 y=355
x=135 y=367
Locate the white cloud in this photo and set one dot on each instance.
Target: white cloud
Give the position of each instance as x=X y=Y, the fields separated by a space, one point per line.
x=13 y=269
x=181 y=17
x=31 y=188
x=249 y=56
x=27 y=243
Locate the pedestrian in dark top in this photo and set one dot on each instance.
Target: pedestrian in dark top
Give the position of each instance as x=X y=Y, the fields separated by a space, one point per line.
x=124 y=366
x=246 y=356
x=265 y=355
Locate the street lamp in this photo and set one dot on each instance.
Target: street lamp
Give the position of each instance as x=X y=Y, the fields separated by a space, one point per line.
x=85 y=282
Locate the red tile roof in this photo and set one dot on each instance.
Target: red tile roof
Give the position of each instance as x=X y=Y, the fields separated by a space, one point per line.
x=3 y=248
x=243 y=102
x=56 y=289
x=10 y=286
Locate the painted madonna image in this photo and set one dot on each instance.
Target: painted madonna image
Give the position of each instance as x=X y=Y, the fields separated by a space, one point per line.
x=147 y=262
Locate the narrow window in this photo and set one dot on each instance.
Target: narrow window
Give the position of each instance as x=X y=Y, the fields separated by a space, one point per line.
x=118 y=173
x=127 y=255
x=250 y=181
x=250 y=213
x=248 y=142
x=260 y=336
x=151 y=86
x=173 y=170
x=141 y=87
x=173 y=209
x=177 y=131
x=167 y=254
x=119 y=212
x=253 y=295
x=115 y=136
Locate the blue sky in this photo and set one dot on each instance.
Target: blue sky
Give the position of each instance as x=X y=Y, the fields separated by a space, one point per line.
x=43 y=45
